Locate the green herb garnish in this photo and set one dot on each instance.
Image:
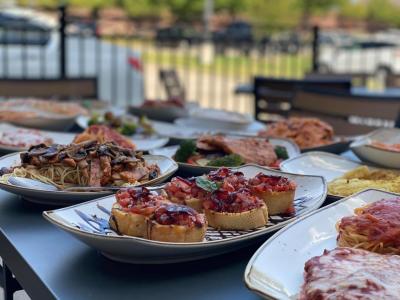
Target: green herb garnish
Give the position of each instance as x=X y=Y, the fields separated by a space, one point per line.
x=281 y=152
x=206 y=184
x=128 y=128
x=231 y=160
x=186 y=149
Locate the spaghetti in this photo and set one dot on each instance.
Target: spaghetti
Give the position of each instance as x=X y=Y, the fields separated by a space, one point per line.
x=86 y=164
x=375 y=227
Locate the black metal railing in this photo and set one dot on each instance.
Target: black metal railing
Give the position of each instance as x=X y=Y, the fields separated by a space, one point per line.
x=216 y=72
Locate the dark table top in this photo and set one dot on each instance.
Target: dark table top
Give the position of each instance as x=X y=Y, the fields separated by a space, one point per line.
x=49 y=263
x=248 y=88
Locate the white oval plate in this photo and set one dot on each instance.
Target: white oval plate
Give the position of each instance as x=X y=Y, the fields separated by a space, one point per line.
x=57 y=137
x=330 y=166
x=386 y=158
x=220 y=117
x=276 y=270
x=142 y=142
x=46 y=122
x=310 y=194
x=211 y=125
x=167 y=167
x=170 y=151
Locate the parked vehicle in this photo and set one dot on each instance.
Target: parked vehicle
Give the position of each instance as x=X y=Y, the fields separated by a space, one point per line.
x=365 y=57
x=32 y=51
x=238 y=34
x=175 y=36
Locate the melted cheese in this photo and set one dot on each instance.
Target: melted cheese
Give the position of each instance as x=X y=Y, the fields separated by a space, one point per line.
x=346 y=273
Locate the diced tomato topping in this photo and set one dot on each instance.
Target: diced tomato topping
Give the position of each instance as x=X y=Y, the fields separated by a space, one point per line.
x=262 y=183
x=174 y=214
x=233 y=202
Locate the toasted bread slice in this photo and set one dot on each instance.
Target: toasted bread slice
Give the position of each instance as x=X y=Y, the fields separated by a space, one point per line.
x=277 y=202
x=175 y=233
x=127 y=222
x=251 y=219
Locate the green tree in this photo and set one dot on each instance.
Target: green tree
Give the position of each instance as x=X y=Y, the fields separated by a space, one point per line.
x=383 y=11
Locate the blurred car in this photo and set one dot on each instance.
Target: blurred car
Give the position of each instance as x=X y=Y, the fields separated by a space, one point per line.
x=285 y=42
x=82 y=28
x=237 y=35
x=175 y=36
x=335 y=39
x=20 y=29
x=30 y=49
x=363 y=57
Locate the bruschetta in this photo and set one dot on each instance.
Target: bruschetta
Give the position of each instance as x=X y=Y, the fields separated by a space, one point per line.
x=238 y=210
x=276 y=191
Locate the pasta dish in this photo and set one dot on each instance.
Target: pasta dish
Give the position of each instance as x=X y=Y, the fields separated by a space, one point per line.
x=85 y=164
x=362 y=178
x=375 y=227
x=305 y=132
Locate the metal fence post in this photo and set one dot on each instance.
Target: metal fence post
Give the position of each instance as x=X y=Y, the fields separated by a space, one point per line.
x=62 y=25
x=315 y=49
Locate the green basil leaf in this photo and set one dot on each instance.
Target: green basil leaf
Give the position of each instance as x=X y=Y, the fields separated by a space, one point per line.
x=204 y=183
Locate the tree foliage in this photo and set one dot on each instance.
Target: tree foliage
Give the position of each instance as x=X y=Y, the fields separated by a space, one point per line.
x=283 y=13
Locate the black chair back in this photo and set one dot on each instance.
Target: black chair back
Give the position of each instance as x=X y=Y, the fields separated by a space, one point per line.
x=349 y=114
x=173 y=86
x=274 y=96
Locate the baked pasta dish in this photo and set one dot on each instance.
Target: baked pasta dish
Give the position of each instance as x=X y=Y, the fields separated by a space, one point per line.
x=305 y=132
x=85 y=164
x=15 y=109
x=386 y=146
x=103 y=134
x=349 y=274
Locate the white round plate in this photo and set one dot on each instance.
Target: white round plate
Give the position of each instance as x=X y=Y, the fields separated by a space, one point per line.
x=386 y=158
x=211 y=125
x=310 y=194
x=328 y=165
x=142 y=142
x=170 y=151
x=220 y=117
x=276 y=270
x=167 y=168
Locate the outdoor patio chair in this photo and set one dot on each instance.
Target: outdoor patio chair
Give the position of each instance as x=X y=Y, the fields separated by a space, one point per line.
x=173 y=86
x=63 y=89
x=273 y=97
x=349 y=114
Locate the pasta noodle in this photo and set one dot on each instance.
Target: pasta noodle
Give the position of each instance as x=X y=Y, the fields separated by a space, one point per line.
x=87 y=164
x=375 y=227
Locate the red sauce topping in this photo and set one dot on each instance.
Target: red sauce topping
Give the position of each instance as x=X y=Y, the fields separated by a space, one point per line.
x=232 y=202
x=262 y=183
x=173 y=214
x=223 y=173
x=179 y=187
x=140 y=201
x=380 y=221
